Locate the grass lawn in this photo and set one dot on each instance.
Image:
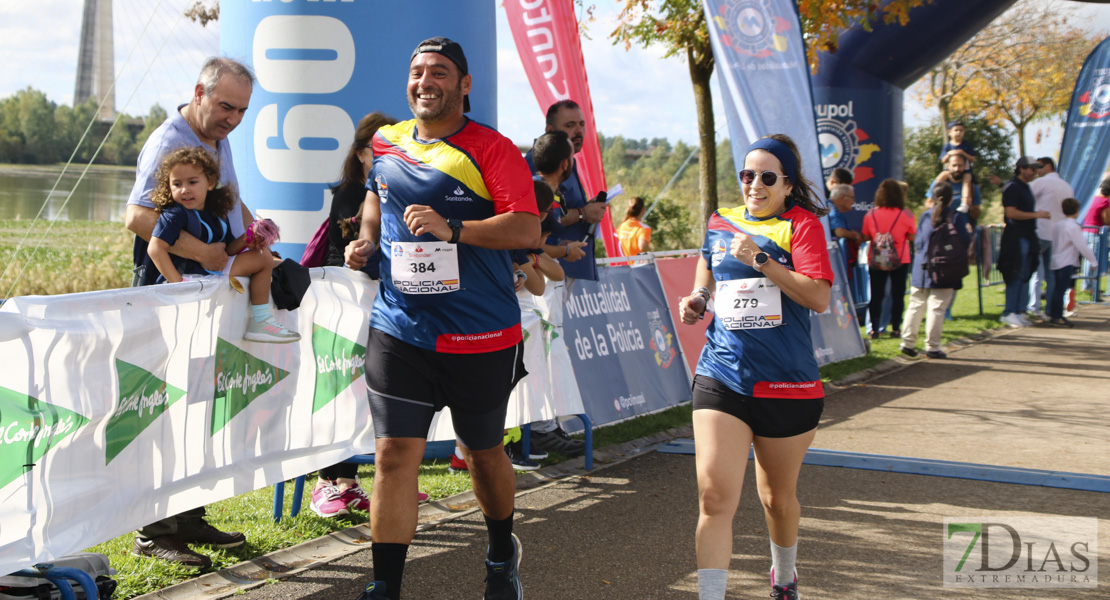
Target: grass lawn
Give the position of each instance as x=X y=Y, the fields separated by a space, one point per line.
x=75 y=256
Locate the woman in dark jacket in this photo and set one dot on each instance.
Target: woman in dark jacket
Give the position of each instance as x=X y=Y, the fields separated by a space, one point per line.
x=348 y=194
x=925 y=300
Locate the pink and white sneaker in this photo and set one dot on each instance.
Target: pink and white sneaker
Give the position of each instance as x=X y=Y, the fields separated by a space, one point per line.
x=785 y=592
x=355 y=498
x=327 y=501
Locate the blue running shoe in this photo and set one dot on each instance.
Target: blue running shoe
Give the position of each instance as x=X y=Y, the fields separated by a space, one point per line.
x=374 y=591
x=503 y=579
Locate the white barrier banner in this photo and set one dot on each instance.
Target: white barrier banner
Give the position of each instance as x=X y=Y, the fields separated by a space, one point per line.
x=122 y=407
x=550 y=389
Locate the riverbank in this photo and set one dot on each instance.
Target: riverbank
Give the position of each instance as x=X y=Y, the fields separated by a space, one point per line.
x=64 y=257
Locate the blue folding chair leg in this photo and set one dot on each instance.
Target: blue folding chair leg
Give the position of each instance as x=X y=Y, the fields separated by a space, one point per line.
x=279 y=498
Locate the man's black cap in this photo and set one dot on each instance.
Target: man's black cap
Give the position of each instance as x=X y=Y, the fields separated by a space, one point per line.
x=450 y=49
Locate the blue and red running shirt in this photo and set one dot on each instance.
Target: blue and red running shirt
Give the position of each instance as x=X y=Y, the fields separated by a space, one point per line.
x=774 y=362
x=471 y=175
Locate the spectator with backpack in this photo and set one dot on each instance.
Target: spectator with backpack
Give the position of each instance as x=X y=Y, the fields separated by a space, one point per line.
x=889 y=227
x=939 y=267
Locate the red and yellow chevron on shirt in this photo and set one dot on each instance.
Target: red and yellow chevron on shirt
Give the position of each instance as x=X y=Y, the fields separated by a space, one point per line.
x=471 y=175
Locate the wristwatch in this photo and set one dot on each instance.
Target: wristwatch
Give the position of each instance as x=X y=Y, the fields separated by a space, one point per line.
x=456 y=229
x=760 y=260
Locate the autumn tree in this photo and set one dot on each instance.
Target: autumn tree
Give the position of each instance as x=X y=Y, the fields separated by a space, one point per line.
x=679 y=27
x=1019 y=69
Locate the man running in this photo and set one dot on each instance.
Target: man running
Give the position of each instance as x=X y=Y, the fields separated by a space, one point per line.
x=446 y=199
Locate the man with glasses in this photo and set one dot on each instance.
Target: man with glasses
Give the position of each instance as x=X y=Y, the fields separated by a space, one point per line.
x=1017 y=254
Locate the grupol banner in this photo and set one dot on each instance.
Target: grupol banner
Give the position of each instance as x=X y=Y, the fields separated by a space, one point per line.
x=622 y=344
x=1085 y=151
x=764 y=77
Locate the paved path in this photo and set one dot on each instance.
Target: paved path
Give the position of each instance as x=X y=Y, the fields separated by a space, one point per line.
x=1032 y=398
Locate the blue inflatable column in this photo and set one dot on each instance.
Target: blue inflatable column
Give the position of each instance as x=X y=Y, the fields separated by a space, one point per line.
x=858 y=90
x=321 y=66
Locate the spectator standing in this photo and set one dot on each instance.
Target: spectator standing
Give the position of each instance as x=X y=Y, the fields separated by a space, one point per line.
x=219 y=101
x=349 y=193
x=1067 y=245
x=1049 y=192
x=1018 y=249
x=926 y=298
x=577 y=218
x=635 y=236
x=966 y=196
x=449 y=339
x=889 y=222
x=1098 y=212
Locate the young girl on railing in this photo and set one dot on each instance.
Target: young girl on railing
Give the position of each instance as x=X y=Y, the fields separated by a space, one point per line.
x=187 y=199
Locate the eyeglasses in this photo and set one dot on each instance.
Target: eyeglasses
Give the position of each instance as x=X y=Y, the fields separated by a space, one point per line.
x=769 y=178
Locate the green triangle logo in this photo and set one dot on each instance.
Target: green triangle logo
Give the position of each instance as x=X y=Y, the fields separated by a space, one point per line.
x=550 y=333
x=339 y=362
x=142 y=399
x=28 y=429
x=240 y=378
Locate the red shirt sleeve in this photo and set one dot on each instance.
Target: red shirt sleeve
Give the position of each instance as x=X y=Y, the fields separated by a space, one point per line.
x=508 y=178
x=808 y=249
x=869 y=223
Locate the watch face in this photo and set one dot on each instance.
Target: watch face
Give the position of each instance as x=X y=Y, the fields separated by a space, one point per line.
x=762 y=258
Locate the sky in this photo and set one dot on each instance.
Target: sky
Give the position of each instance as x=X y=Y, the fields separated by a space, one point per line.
x=38 y=48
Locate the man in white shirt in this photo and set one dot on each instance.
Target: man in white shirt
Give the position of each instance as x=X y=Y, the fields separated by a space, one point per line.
x=1049 y=190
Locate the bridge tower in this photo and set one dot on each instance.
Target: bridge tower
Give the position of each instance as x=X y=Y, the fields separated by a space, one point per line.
x=95 y=60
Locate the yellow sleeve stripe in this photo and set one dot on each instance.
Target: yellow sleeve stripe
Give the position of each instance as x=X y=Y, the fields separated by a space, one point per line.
x=437 y=155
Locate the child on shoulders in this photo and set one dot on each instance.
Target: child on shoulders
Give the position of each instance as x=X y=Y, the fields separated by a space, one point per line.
x=187 y=198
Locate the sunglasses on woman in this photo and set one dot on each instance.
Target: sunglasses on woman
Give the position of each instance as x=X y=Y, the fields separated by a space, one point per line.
x=769 y=178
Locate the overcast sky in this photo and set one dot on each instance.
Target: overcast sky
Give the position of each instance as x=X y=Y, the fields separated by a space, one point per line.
x=38 y=48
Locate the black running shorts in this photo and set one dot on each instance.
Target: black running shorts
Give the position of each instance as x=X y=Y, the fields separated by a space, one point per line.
x=409 y=384
x=767 y=417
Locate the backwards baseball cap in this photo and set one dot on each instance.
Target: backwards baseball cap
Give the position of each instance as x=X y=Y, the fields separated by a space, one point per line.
x=952 y=124
x=452 y=51
x=1028 y=161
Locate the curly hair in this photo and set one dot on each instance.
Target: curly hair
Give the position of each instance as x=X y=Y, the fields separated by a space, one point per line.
x=802 y=192
x=890 y=195
x=218 y=201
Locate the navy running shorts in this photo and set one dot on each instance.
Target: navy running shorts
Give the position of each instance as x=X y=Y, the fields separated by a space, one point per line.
x=767 y=417
x=408 y=385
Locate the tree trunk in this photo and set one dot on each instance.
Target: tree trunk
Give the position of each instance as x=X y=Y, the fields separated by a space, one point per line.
x=701 y=69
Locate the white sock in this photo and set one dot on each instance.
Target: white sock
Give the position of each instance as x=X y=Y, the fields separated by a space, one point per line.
x=712 y=584
x=782 y=563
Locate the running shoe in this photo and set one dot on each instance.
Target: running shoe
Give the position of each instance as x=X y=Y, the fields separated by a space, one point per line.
x=374 y=591
x=457 y=465
x=327 y=501
x=355 y=498
x=269 y=332
x=1024 y=319
x=936 y=354
x=503 y=579
x=785 y=592
x=534 y=452
x=910 y=352
x=515 y=450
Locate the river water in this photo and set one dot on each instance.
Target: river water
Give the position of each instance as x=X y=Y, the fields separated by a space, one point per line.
x=101 y=195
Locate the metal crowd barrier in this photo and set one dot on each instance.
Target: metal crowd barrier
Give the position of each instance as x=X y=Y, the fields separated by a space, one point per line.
x=859 y=280
x=987 y=240
x=989 y=237
x=1091 y=275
